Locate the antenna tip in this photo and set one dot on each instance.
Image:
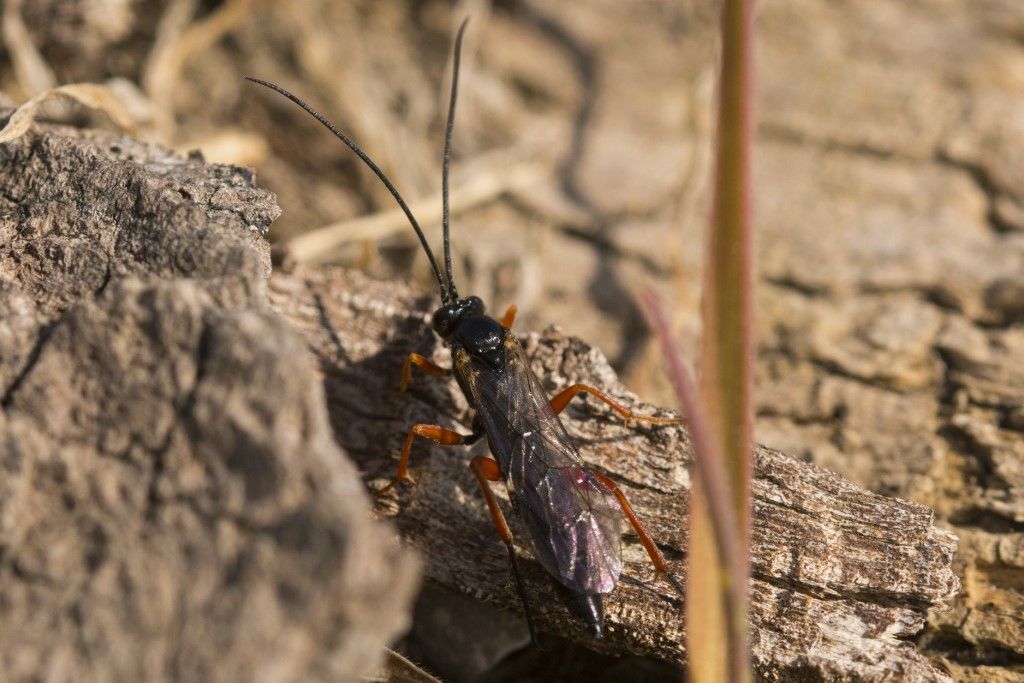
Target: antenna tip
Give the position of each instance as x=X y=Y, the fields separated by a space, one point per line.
x=462 y=29
x=259 y=81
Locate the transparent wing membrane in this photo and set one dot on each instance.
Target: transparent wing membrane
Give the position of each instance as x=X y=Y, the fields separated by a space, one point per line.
x=572 y=518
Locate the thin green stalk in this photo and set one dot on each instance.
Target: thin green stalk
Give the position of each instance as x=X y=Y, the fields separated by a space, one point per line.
x=726 y=369
x=714 y=480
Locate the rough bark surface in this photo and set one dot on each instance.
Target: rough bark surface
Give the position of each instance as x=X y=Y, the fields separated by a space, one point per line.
x=893 y=346
x=842 y=576
x=172 y=503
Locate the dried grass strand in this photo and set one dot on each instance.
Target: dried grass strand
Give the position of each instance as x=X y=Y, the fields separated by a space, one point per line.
x=33 y=74
x=318 y=245
x=93 y=95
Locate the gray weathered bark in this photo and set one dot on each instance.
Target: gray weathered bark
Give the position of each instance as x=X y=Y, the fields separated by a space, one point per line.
x=172 y=504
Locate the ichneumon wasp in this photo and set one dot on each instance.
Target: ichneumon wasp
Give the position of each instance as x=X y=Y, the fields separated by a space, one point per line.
x=570 y=511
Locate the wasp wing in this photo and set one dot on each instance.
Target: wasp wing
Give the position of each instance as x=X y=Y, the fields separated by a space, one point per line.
x=572 y=518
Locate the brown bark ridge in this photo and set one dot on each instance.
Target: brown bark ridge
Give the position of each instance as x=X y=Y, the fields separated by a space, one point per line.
x=172 y=504
x=842 y=577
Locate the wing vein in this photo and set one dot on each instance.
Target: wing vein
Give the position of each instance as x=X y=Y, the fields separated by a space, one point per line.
x=572 y=520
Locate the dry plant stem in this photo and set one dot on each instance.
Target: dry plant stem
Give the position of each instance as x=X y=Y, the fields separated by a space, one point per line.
x=707 y=461
x=174 y=50
x=34 y=75
x=317 y=246
x=726 y=358
x=399 y=669
x=727 y=353
x=89 y=94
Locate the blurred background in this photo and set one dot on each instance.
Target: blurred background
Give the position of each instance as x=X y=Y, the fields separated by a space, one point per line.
x=580 y=150
x=889 y=201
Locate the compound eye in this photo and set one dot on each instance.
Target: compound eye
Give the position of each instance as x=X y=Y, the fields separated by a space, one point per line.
x=475 y=305
x=444 y=321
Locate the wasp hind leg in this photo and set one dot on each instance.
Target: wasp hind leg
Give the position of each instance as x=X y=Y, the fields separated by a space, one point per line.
x=486 y=470
x=657 y=559
x=562 y=399
x=424 y=365
x=435 y=433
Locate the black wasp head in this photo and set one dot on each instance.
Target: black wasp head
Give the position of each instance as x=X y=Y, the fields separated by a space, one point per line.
x=464 y=324
x=448 y=318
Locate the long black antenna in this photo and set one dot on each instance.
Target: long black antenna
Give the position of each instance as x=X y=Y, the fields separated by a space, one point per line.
x=445 y=295
x=445 y=218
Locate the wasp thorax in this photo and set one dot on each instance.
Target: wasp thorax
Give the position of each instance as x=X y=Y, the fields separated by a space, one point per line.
x=448 y=317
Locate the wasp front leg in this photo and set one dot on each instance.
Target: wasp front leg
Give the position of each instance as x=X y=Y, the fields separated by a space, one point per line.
x=559 y=402
x=424 y=365
x=437 y=434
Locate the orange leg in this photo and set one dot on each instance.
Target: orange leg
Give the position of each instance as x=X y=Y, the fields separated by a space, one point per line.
x=435 y=433
x=559 y=402
x=423 y=364
x=487 y=470
x=509 y=317
x=657 y=559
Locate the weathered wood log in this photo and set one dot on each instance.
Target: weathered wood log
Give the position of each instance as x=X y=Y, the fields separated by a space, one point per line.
x=841 y=577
